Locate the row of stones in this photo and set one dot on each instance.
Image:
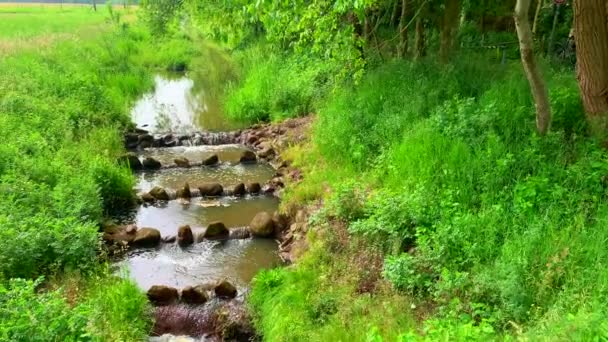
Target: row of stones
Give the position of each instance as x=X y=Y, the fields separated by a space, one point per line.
x=205 y=190
x=132 y=161
x=197 y=295
x=263 y=225
x=141 y=139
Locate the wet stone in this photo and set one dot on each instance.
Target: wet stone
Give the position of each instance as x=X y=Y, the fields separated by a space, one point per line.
x=162 y=295
x=224 y=289
x=150 y=163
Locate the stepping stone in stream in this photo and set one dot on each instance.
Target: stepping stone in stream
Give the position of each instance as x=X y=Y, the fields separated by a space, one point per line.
x=238 y=190
x=150 y=163
x=254 y=188
x=262 y=225
x=195 y=294
x=184 y=192
x=131 y=161
x=224 y=289
x=158 y=193
x=213 y=160
x=182 y=162
x=211 y=190
x=248 y=157
x=184 y=236
x=216 y=230
x=162 y=295
x=146 y=237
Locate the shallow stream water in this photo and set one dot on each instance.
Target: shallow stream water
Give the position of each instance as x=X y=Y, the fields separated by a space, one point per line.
x=179 y=105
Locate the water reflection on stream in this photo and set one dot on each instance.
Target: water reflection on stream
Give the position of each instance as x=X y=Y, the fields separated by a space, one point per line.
x=183 y=104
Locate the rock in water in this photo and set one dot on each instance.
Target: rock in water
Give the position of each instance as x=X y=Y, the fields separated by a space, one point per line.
x=131 y=160
x=262 y=225
x=162 y=295
x=216 y=230
x=150 y=163
x=146 y=237
x=148 y=198
x=240 y=233
x=182 y=162
x=211 y=190
x=214 y=159
x=239 y=190
x=184 y=192
x=254 y=188
x=184 y=236
x=224 y=289
x=194 y=295
x=248 y=157
x=159 y=193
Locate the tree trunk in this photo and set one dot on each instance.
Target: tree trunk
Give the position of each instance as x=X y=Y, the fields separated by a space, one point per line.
x=449 y=23
x=539 y=5
x=420 y=39
x=403 y=38
x=394 y=14
x=550 y=46
x=591 y=39
x=94 y=6
x=537 y=84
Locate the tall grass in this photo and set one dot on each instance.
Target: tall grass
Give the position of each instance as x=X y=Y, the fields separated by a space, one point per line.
x=499 y=230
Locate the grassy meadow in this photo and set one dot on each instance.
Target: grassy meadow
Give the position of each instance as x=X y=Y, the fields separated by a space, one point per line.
x=68 y=77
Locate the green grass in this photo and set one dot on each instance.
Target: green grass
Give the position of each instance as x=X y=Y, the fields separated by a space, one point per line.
x=38 y=20
x=490 y=230
x=63 y=106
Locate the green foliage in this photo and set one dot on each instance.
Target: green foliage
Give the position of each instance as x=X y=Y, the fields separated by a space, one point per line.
x=274 y=87
x=111 y=310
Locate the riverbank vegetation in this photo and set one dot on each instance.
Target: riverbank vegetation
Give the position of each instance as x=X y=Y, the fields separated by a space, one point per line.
x=445 y=211
x=63 y=105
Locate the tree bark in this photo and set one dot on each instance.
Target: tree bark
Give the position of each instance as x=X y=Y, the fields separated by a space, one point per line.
x=537 y=84
x=591 y=39
x=420 y=39
x=449 y=23
x=539 y=5
x=403 y=38
x=94 y=5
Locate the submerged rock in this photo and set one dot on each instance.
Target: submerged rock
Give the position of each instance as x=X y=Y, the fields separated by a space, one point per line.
x=195 y=295
x=239 y=233
x=184 y=236
x=211 y=190
x=182 y=162
x=262 y=225
x=216 y=230
x=248 y=157
x=159 y=193
x=146 y=237
x=224 y=289
x=162 y=295
x=150 y=163
x=214 y=159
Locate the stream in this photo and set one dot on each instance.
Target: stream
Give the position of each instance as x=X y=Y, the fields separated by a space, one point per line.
x=177 y=106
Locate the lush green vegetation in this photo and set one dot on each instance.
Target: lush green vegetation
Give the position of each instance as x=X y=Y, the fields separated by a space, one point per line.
x=445 y=215
x=62 y=109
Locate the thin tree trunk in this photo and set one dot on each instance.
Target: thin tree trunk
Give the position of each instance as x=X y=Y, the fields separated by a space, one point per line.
x=94 y=6
x=591 y=38
x=449 y=23
x=537 y=84
x=550 y=48
x=403 y=41
x=394 y=14
x=420 y=39
x=538 y=7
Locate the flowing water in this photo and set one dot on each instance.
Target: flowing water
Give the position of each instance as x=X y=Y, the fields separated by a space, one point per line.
x=179 y=105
